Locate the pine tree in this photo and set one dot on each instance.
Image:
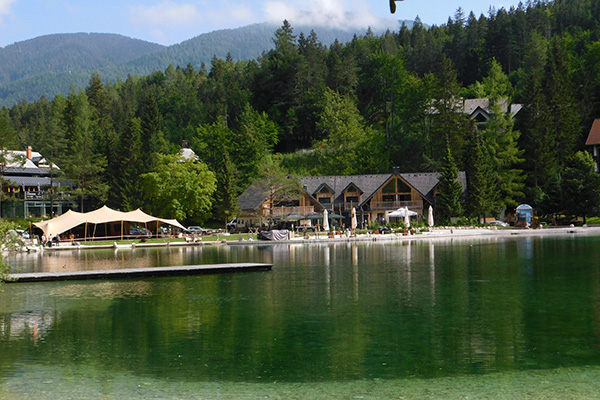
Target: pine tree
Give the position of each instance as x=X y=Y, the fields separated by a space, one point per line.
x=82 y=165
x=581 y=186
x=501 y=139
x=127 y=183
x=482 y=196
x=225 y=204
x=449 y=200
x=153 y=141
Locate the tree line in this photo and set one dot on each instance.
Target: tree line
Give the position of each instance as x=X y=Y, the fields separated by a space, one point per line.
x=374 y=103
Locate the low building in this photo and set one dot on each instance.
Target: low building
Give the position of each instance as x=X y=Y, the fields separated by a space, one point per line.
x=593 y=140
x=26 y=179
x=373 y=197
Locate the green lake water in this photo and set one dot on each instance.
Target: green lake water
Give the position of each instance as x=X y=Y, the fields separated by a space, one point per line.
x=489 y=317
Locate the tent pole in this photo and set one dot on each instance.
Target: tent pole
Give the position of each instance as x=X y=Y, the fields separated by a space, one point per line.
x=85 y=232
x=121 y=230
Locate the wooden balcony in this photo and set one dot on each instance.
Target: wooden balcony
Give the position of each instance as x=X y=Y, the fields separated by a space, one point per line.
x=285 y=211
x=394 y=205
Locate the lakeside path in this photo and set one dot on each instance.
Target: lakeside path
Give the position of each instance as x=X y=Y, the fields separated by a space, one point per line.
x=435 y=233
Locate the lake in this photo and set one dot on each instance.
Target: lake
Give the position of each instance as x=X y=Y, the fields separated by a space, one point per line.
x=484 y=317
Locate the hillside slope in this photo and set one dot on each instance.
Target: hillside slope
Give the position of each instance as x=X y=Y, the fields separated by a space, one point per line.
x=52 y=64
x=67 y=53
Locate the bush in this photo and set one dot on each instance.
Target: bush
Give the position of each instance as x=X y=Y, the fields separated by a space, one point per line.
x=7 y=242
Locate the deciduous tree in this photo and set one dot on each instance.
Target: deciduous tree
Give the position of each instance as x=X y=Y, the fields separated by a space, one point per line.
x=179 y=188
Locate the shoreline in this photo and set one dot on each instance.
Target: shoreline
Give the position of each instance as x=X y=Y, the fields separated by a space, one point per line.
x=435 y=233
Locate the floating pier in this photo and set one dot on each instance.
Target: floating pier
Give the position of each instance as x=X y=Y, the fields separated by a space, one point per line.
x=139 y=272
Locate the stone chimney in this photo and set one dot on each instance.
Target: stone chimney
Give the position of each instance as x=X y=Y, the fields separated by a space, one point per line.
x=28 y=152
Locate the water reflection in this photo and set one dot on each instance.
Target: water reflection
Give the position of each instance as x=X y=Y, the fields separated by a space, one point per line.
x=345 y=311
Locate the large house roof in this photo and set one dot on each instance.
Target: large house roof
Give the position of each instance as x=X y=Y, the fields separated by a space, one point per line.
x=27 y=168
x=253 y=197
x=367 y=183
x=423 y=182
x=594 y=135
x=472 y=106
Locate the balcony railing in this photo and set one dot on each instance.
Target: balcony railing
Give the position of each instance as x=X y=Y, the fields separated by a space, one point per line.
x=327 y=206
x=36 y=195
x=285 y=211
x=394 y=205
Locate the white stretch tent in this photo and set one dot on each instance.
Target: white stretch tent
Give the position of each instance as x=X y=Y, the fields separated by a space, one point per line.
x=72 y=219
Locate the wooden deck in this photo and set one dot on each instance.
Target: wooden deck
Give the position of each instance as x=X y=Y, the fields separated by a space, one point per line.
x=139 y=272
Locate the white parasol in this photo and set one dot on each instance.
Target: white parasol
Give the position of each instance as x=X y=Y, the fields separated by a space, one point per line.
x=430 y=216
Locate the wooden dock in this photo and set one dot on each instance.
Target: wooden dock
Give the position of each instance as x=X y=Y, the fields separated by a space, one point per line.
x=139 y=272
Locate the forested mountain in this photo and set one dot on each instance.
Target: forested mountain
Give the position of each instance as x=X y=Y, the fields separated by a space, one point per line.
x=51 y=64
x=68 y=52
x=364 y=106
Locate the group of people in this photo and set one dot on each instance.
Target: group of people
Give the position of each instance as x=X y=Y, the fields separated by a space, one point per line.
x=48 y=242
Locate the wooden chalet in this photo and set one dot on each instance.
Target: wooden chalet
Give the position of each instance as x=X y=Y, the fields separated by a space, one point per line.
x=373 y=197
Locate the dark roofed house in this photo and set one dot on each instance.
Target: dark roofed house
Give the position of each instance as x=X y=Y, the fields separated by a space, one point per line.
x=479 y=109
x=373 y=196
x=593 y=140
x=27 y=176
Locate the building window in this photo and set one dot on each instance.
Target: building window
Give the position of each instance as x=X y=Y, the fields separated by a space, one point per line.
x=352 y=199
x=325 y=200
x=403 y=187
x=390 y=187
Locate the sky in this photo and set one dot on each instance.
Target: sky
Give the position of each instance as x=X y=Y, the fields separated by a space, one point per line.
x=172 y=21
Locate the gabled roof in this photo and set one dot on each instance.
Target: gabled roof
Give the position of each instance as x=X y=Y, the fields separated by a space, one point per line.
x=472 y=107
x=352 y=184
x=368 y=184
x=253 y=197
x=318 y=189
x=23 y=171
x=422 y=182
x=594 y=135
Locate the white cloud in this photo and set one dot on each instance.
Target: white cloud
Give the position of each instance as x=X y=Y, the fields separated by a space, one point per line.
x=5 y=6
x=331 y=13
x=170 y=22
x=166 y=13
x=228 y=14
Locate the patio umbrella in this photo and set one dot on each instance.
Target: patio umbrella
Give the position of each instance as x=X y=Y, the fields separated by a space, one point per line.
x=292 y=217
x=325 y=221
x=401 y=213
x=430 y=216
x=407 y=218
x=313 y=217
x=353 y=222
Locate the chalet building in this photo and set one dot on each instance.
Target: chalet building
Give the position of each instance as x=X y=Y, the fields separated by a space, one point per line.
x=479 y=109
x=26 y=180
x=373 y=197
x=593 y=140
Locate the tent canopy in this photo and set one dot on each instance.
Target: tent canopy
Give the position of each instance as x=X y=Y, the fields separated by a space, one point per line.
x=71 y=219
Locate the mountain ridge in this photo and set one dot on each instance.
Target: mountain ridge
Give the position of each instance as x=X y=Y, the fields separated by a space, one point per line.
x=52 y=64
